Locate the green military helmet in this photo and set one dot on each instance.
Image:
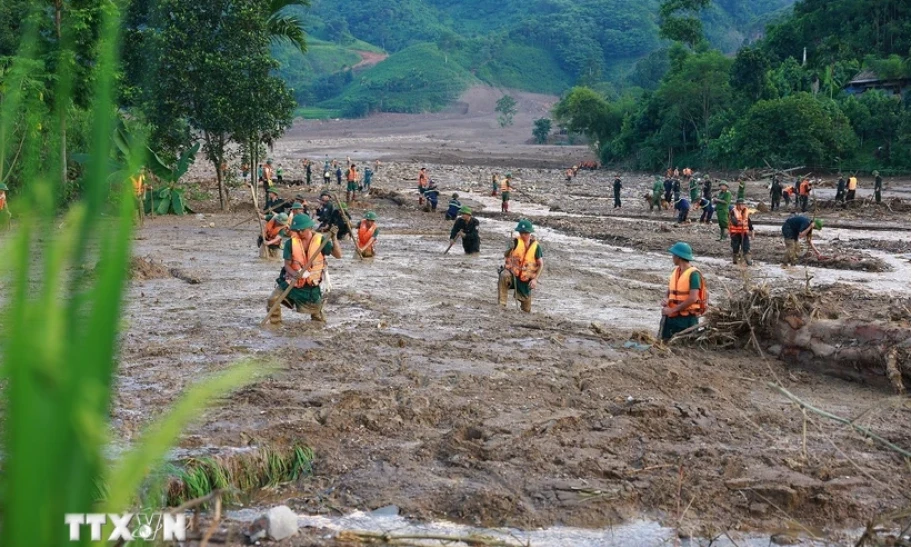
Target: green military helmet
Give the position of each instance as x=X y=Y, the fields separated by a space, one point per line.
x=269 y=161
x=325 y=194
x=281 y=219
x=272 y=191
x=875 y=173
x=740 y=201
x=300 y=197
x=301 y=223
x=297 y=207
x=465 y=211
x=509 y=175
x=525 y=227
x=682 y=250
x=370 y=215
x=344 y=206
x=4 y=187
x=455 y=196
x=817 y=223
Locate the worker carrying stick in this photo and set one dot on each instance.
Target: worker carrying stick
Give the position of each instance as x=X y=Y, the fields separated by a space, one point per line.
x=466 y=227
x=524 y=265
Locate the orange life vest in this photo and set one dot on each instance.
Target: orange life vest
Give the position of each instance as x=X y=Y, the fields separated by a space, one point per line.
x=422 y=179
x=678 y=290
x=273 y=229
x=852 y=183
x=352 y=174
x=299 y=260
x=521 y=261
x=805 y=187
x=743 y=222
x=267 y=171
x=2 y=201
x=138 y=182
x=504 y=185
x=364 y=234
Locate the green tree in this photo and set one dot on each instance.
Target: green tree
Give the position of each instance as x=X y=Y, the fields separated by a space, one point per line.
x=506 y=108
x=680 y=22
x=284 y=26
x=215 y=74
x=796 y=130
x=541 y=130
x=750 y=73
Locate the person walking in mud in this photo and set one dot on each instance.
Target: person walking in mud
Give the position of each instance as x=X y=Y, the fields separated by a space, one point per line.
x=303 y=245
x=668 y=190
x=657 y=189
x=804 y=194
x=351 y=189
x=722 y=204
x=338 y=175
x=466 y=227
x=706 y=188
x=367 y=233
x=308 y=166
x=368 y=180
x=452 y=210
x=840 y=188
x=618 y=185
x=276 y=232
x=494 y=184
x=422 y=185
x=687 y=297
x=707 y=210
x=795 y=228
x=741 y=233
x=852 y=188
x=676 y=189
x=432 y=195
x=326 y=210
x=327 y=174
x=505 y=189
x=524 y=265
x=775 y=193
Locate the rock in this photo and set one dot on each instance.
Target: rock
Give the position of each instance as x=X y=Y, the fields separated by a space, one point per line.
x=775 y=350
x=257 y=530
x=784 y=539
x=282 y=523
x=387 y=511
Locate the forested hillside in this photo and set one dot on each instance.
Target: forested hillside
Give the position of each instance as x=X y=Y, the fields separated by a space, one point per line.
x=766 y=104
x=535 y=45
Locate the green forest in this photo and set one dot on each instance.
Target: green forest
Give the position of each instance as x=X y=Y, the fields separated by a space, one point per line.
x=765 y=105
x=438 y=48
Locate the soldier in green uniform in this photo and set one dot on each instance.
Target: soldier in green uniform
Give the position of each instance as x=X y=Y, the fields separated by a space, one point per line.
x=301 y=246
x=722 y=210
x=694 y=190
x=657 y=191
x=741 y=188
x=524 y=264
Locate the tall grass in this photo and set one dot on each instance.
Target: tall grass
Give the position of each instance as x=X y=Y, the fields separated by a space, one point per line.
x=58 y=341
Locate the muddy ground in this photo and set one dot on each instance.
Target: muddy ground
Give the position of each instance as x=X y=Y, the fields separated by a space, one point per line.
x=421 y=392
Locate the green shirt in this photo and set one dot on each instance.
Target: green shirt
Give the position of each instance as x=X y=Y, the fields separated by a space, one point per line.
x=723 y=201
x=522 y=287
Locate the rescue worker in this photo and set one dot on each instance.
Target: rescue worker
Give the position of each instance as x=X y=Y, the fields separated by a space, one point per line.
x=4 y=209
x=787 y=194
x=796 y=227
x=269 y=171
x=138 y=182
x=423 y=180
x=618 y=185
x=569 y=174
x=683 y=210
x=339 y=220
x=452 y=211
x=676 y=188
x=275 y=204
x=432 y=193
x=694 y=190
x=668 y=189
x=279 y=172
x=877 y=187
x=297 y=209
x=741 y=188
x=676 y=172
x=467 y=226
x=741 y=232
x=309 y=167
x=707 y=210
x=303 y=245
x=707 y=188
x=840 y=188
x=505 y=189
x=657 y=189
x=275 y=229
x=327 y=174
x=852 y=188
x=351 y=189
x=367 y=232
x=722 y=204
x=368 y=179
x=326 y=209
x=687 y=297
x=775 y=193
x=804 y=193
x=338 y=175
x=524 y=264
x=494 y=184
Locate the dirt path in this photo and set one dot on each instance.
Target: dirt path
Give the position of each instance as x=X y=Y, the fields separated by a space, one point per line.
x=421 y=392
x=369 y=59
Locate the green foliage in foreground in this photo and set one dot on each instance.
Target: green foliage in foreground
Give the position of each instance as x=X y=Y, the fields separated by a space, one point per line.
x=59 y=344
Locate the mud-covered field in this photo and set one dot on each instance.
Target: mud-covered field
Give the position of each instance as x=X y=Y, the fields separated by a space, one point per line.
x=421 y=392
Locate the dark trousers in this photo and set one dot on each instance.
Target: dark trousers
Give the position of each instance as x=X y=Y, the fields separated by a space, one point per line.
x=707 y=215
x=852 y=194
x=471 y=245
x=840 y=194
x=878 y=194
x=804 y=203
x=681 y=216
x=617 y=200
x=787 y=200
x=776 y=202
x=740 y=243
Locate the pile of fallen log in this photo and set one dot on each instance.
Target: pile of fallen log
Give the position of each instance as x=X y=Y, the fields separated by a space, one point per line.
x=789 y=324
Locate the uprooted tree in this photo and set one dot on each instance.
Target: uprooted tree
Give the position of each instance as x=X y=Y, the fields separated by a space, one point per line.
x=792 y=321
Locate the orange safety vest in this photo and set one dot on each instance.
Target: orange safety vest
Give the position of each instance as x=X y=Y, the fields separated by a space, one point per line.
x=267 y=171
x=352 y=174
x=364 y=234
x=678 y=290
x=743 y=222
x=504 y=185
x=273 y=229
x=521 y=261
x=299 y=260
x=138 y=182
x=422 y=180
x=2 y=201
x=805 y=188
x=852 y=183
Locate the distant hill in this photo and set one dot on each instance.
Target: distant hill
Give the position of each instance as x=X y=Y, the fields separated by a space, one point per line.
x=439 y=47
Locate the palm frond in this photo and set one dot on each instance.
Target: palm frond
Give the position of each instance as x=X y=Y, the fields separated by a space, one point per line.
x=287 y=27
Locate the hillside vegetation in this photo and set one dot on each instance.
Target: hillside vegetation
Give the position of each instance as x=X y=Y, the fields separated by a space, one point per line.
x=534 y=45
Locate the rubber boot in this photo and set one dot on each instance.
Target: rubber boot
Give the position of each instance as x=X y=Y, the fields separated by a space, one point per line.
x=525 y=304
x=736 y=258
x=748 y=258
x=276 y=316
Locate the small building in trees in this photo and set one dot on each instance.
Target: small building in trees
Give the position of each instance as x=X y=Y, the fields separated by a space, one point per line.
x=867 y=80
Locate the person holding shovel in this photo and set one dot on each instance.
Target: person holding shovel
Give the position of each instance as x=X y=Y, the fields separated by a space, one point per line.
x=795 y=228
x=466 y=227
x=367 y=232
x=687 y=298
x=275 y=232
x=303 y=245
x=524 y=264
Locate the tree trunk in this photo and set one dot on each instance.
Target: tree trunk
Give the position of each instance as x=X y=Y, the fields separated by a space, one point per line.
x=58 y=24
